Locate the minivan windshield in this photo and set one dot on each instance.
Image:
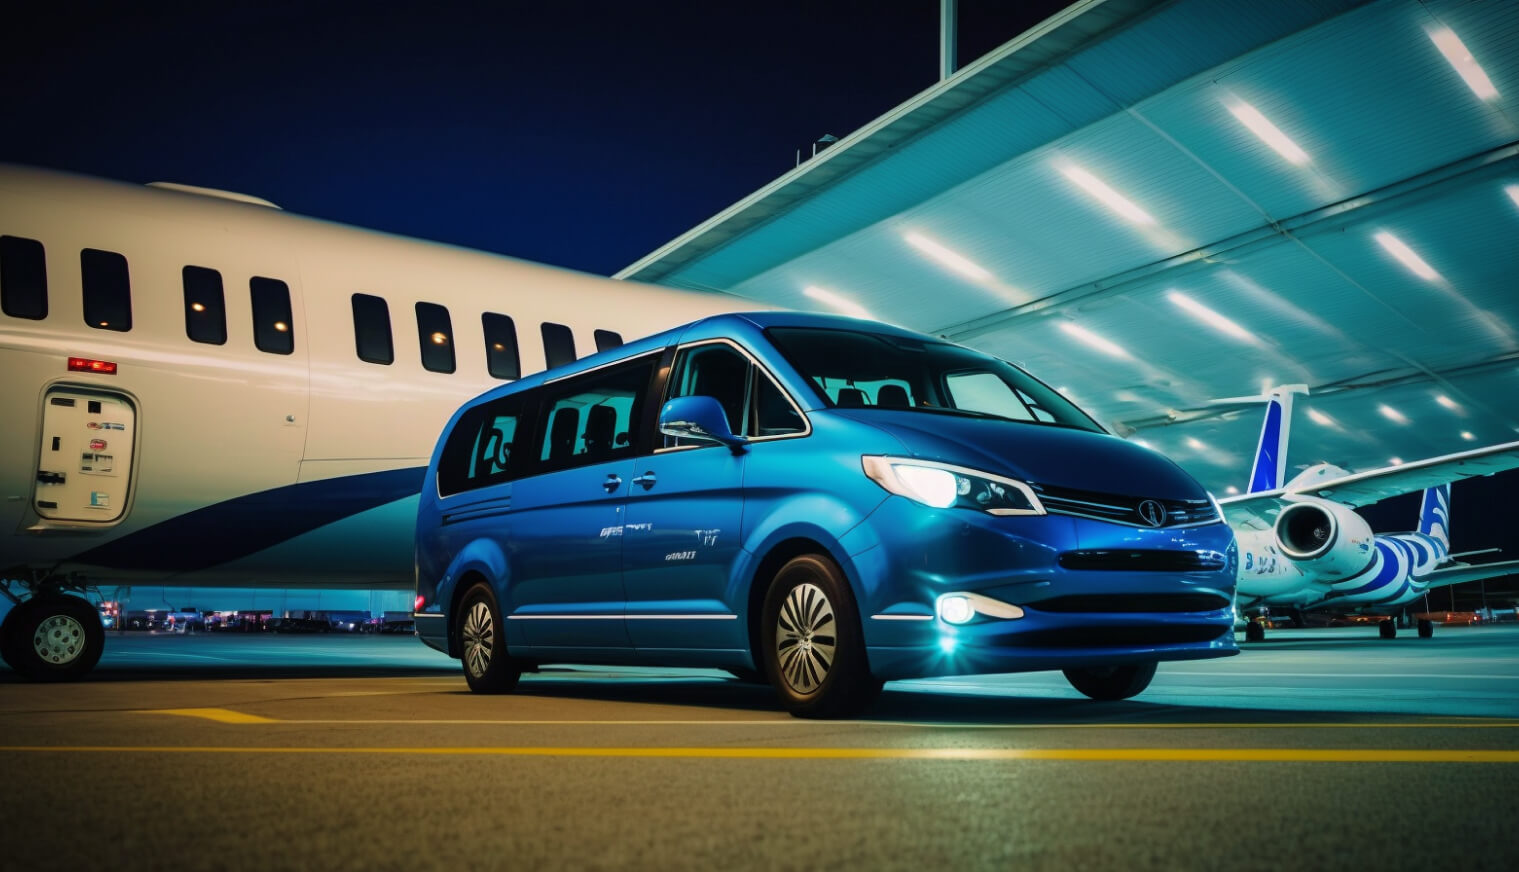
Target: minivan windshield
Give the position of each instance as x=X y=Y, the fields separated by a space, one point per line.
x=858 y=370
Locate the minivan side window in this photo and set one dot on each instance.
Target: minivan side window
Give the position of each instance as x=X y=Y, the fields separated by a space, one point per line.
x=773 y=413
x=594 y=417
x=486 y=446
x=272 y=330
x=23 y=278
x=205 y=305
x=714 y=370
x=107 y=289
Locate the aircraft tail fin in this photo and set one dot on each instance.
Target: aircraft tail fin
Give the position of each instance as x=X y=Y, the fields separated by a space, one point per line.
x=1434 y=514
x=1269 y=471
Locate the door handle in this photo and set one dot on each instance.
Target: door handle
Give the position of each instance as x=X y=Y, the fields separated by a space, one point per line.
x=613 y=482
x=646 y=480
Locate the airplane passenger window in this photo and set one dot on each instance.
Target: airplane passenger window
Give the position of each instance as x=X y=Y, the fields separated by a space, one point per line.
x=273 y=330
x=558 y=344
x=371 y=329
x=205 y=306
x=107 y=290
x=23 y=278
x=501 y=359
x=436 y=333
x=607 y=339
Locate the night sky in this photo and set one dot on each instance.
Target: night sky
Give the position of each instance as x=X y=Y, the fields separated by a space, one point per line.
x=577 y=133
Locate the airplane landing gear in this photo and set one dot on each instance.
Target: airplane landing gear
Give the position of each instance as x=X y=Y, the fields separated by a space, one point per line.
x=1426 y=628
x=51 y=636
x=1388 y=629
x=1254 y=632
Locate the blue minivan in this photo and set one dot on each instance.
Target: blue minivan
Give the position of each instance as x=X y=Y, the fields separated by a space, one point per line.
x=821 y=503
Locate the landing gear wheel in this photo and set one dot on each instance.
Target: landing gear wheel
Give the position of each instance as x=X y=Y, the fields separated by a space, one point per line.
x=54 y=638
x=1387 y=629
x=1254 y=632
x=1426 y=628
x=811 y=643
x=481 y=643
x=1111 y=682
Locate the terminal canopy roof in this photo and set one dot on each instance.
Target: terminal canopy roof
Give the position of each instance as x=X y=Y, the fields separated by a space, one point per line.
x=1154 y=205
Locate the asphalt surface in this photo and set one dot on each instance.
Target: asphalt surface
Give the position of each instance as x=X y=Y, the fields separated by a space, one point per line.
x=1317 y=749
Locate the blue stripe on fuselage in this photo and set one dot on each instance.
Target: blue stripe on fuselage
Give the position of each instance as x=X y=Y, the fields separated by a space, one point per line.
x=248 y=524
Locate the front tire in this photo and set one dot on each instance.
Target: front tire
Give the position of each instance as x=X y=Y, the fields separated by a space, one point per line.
x=54 y=638
x=812 y=646
x=1426 y=628
x=1387 y=629
x=1254 y=632
x=481 y=642
x=1112 y=682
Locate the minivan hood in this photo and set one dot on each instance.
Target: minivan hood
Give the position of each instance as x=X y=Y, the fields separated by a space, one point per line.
x=1057 y=456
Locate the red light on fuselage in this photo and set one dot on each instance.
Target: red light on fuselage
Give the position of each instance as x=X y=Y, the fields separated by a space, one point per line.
x=84 y=364
x=421 y=601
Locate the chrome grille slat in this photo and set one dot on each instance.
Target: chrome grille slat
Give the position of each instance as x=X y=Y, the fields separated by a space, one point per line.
x=1121 y=508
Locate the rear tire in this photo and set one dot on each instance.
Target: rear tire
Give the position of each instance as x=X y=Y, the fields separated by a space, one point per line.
x=1112 y=682
x=1426 y=628
x=481 y=642
x=1387 y=629
x=53 y=638
x=811 y=643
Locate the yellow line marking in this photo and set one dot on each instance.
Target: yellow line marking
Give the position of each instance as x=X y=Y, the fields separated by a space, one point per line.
x=1248 y=755
x=220 y=715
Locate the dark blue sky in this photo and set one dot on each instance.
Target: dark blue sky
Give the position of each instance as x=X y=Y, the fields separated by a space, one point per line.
x=577 y=133
x=572 y=132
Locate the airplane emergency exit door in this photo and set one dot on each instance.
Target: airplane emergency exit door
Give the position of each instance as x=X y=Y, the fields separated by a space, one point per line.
x=84 y=468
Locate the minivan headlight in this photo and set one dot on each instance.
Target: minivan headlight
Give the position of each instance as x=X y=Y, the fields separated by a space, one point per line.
x=943 y=486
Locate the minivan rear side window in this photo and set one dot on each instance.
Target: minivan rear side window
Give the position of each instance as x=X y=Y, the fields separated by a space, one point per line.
x=501 y=357
x=23 y=278
x=486 y=446
x=594 y=417
x=436 y=332
x=205 y=306
x=272 y=328
x=371 y=329
x=107 y=290
x=558 y=344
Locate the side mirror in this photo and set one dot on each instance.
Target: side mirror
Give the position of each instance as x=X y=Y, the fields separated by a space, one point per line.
x=699 y=418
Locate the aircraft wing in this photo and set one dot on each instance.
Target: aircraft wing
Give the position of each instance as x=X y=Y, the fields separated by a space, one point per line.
x=1462 y=572
x=1362 y=488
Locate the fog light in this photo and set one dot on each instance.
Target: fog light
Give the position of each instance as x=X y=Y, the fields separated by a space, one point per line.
x=956 y=609
x=947 y=644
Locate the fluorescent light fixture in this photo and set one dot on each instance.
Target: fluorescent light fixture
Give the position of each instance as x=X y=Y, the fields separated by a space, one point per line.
x=1208 y=316
x=1105 y=346
x=1513 y=193
x=1269 y=133
x=1231 y=490
x=1461 y=59
x=1448 y=403
x=1392 y=414
x=1195 y=444
x=1468 y=435
x=838 y=302
x=1395 y=461
x=1109 y=197
x=1406 y=256
x=946 y=257
x=1318 y=417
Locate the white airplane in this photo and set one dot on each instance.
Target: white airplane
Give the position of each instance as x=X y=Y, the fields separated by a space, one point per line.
x=203 y=390
x=1303 y=546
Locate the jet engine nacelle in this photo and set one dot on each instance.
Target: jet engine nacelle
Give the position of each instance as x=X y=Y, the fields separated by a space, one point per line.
x=1324 y=537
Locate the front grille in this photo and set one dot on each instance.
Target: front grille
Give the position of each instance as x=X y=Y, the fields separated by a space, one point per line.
x=1121 y=509
x=1132 y=602
x=1099 y=637
x=1143 y=560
